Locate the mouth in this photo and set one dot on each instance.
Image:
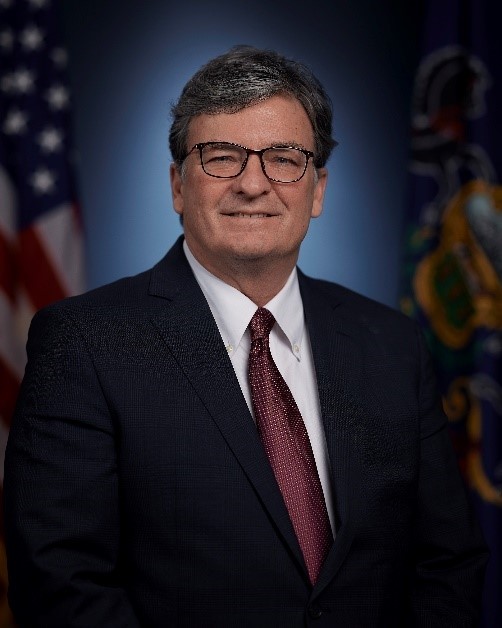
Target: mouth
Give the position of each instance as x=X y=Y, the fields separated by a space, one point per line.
x=251 y=216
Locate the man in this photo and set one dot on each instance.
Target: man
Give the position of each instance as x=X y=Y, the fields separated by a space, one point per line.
x=165 y=469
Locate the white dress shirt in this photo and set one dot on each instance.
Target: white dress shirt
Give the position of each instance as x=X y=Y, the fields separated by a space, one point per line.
x=289 y=345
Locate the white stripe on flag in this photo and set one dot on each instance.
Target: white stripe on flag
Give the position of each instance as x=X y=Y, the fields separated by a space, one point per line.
x=60 y=235
x=7 y=205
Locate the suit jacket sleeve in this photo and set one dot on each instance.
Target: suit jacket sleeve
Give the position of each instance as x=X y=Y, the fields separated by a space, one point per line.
x=61 y=489
x=450 y=553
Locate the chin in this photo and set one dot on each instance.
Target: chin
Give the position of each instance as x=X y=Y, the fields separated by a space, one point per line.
x=260 y=253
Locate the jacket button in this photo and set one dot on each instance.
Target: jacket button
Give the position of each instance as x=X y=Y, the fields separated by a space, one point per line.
x=314 y=611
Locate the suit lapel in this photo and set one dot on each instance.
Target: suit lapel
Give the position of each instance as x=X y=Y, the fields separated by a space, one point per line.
x=336 y=351
x=191 y=335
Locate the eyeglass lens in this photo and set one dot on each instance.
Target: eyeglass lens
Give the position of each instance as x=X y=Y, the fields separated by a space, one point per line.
x=226 y=160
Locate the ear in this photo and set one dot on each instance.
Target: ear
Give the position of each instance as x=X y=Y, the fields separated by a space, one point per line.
x=176 y=188
x=319 y=190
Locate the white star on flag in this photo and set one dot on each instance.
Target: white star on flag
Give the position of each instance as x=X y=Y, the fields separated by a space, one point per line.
x=15 y=122
x=50 y=140
x=58 y=97
x=23 y=81
x=43 y=181
x=31 y=38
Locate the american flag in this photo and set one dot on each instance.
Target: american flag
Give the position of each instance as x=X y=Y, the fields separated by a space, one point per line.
x=41 y=240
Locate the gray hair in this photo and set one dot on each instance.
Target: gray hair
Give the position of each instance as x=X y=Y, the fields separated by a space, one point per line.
x=245 y=76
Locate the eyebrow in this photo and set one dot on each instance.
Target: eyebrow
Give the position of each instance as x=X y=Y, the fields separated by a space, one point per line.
x=279 y=144
x=289 y=144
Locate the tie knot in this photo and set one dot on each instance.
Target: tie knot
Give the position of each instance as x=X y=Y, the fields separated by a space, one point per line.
x=261 y=324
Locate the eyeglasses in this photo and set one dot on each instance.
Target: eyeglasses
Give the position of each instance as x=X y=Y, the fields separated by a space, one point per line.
x=225 y=160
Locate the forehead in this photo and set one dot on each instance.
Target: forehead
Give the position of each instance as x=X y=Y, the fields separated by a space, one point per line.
x=276 y=120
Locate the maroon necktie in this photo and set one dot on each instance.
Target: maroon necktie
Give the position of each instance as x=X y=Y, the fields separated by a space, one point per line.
x=288 y=448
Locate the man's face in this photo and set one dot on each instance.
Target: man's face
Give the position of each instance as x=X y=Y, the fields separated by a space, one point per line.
x=248 y=217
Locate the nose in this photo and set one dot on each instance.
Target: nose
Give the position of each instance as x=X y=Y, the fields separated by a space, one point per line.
x=252 y=180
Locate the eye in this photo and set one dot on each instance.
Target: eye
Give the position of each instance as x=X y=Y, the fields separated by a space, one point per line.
x=284 y=157
x=281 y=159
x=219 y=157
x=221 y=154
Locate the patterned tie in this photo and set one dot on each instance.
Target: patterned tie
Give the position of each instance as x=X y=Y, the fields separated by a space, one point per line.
x=288 y=448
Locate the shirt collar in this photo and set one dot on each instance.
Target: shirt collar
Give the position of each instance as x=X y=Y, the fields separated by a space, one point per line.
x=232 y=310
x=287 y=308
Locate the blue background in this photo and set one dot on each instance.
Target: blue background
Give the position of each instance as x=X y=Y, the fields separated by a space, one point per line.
x=129 y=60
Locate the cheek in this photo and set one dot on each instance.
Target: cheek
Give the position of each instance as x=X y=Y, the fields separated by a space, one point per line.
x=189 y=202
x=304 y=212
x=198 y=213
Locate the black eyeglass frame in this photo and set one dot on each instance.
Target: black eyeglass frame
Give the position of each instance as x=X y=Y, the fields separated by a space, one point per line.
x=250 y=151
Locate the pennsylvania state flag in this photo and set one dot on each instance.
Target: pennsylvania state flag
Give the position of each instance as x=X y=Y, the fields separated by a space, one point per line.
x=453 y=269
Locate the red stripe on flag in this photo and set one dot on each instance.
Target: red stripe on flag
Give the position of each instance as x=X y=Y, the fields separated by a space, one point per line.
x=8 y=270
x=8 y=391
x=36 y=271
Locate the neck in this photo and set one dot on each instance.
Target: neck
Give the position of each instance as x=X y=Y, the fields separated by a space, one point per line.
x=259 y=279
x=259 y=285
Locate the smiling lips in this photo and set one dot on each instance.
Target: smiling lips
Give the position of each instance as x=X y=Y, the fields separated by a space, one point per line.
x=243 y=215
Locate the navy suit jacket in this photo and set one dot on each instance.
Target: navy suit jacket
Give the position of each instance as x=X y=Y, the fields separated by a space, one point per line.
x=138 y=493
